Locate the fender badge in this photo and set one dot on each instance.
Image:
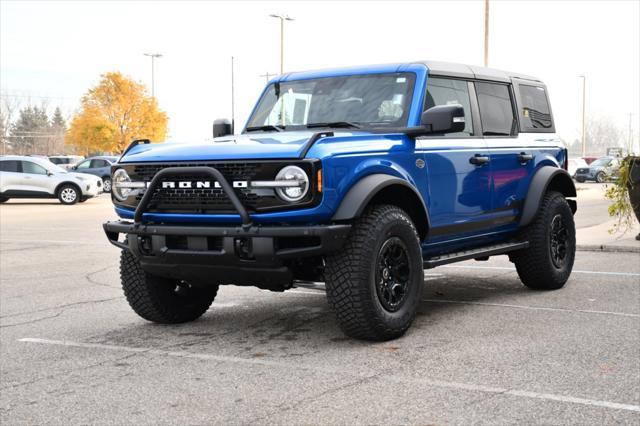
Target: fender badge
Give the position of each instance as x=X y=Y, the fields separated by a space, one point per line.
x=420 y=163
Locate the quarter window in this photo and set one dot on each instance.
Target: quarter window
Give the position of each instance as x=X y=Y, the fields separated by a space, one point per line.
x=535 y=113
x=9 y=166
x=443 y=91
x=496 y=109
x=33 y=168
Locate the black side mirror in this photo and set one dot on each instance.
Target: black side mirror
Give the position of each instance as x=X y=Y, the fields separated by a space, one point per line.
x=443 y=119
x=222 y=127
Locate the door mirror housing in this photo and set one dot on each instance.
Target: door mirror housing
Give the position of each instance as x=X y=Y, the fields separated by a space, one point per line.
x=222 y=127
x=444 y=119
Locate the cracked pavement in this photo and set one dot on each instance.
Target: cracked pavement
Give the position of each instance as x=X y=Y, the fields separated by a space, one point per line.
x=483 y=348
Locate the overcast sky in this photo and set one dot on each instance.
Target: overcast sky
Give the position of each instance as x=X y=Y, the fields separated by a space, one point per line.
x=59 y=49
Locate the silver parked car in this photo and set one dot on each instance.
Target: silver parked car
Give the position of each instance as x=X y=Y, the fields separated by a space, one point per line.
x=98 y=166
x=33 y=177
x=66 y=161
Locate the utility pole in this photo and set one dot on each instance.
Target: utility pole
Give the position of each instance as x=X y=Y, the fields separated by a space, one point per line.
x=282 y=19
x=153 y=56
x=630 y=136
x=486 y=33
x=584 y=109
x=233 y=108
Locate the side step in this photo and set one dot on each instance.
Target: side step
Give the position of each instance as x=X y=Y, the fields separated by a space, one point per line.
x=473 y=254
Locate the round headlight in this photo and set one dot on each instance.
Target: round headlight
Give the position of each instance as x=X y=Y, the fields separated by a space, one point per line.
x=120 y=176
x=299 y=184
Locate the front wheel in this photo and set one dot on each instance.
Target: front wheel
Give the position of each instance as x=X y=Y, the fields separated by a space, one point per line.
x=600 y=177
x=159 y=299
x=547 y=263
x=69 y=194
x=375 y=282
x=106 y=184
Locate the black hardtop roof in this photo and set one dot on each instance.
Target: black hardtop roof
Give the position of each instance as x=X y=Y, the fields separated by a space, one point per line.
x=453 y=69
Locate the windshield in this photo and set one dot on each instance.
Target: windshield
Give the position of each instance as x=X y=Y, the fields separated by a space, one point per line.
x=600 y=162
x=345 y=101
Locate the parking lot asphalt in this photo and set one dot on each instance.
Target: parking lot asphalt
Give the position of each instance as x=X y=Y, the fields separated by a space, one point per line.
x=483 y=349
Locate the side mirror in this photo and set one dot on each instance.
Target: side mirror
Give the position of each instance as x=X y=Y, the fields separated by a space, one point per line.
x=443 y=119
x=221 y=127
x=49 y=173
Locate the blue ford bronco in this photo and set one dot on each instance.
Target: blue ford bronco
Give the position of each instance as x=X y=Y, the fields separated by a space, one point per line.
x=360 y=178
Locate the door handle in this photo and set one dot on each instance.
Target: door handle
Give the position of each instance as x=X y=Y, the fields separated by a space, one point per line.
x=479 y=160
x=523 y=157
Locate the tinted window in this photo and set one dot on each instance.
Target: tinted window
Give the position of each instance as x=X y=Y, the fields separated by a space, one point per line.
x=98 y=163
x=84 y=165
x=442 y=91
x=535 y=113
x=496 y=111
x=33 y=168
x=9 y=166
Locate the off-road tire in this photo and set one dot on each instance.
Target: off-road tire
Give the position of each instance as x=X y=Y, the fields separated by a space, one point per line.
x=65 y=190
x=601 y=177
x=158 y=299
x=535 y=264
x=350 y=276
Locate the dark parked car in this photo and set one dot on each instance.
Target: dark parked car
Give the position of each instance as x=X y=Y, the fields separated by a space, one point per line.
x=600 y=170
x=98 y=166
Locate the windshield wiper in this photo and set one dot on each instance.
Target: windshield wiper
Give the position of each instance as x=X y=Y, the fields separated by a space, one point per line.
x=265 y=128
x=347 y=124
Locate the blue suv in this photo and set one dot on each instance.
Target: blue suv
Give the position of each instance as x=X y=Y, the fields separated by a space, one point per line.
x=359 y=178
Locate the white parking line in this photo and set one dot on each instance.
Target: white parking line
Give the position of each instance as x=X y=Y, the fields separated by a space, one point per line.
x=507 y=268
x=397 y=379
x=533 y=308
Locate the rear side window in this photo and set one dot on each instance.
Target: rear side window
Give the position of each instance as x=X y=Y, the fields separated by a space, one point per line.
x=9 y=166
x=496 y=109
x=535 y=112
x=98 y=163
x=444 y=91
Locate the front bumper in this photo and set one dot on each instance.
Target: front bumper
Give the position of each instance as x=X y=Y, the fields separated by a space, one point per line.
x=91 y=188
x=235 y=255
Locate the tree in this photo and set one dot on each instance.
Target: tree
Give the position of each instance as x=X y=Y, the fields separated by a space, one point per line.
x=58 y=129
x=30 y=131
x=602 y=133
x=115 y=112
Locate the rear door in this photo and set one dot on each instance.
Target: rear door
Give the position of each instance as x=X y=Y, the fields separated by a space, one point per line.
x=10 y=176
x=511 y=160
x=457 y=166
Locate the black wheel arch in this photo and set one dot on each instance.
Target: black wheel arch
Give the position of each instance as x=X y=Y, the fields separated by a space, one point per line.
x=381 y=188
x=547 y=178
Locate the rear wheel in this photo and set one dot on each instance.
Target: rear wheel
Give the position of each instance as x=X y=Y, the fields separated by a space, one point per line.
x=162 y=300
x=375 y=282
x=547 y=263
x=580 y=179
x=69 y=194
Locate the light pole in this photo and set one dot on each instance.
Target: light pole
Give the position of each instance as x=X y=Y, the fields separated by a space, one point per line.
x=282 y=19
x=486 y=33
x=153 y=56
x=584 y=109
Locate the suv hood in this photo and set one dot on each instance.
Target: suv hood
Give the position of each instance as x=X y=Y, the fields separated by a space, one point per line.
x=259 y=145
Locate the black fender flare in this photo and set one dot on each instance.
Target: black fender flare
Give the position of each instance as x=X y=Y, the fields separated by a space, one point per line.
x=547 y=178
x=360 y=194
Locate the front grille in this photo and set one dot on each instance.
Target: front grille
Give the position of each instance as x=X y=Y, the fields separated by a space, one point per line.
x=583 y=171
x=214 y=200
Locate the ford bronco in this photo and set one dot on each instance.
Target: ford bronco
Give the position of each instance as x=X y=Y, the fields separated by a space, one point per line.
x=359 y=178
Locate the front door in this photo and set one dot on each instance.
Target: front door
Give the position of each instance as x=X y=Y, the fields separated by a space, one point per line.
x=35 y=179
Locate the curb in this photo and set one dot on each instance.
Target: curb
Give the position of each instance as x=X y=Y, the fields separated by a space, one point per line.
x=607 y=248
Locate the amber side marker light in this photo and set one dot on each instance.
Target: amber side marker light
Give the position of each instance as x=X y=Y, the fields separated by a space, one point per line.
x=319 y=177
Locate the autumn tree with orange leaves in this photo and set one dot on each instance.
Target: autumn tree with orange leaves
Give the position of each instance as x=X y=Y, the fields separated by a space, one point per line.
x=113 y=113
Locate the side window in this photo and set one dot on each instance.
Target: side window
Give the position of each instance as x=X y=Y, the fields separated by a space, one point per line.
x=33 y=168
x=98 y=163
x=9 y=166
x=496 y=109
x=444 y=91
x=84 y=165
x=535 y=113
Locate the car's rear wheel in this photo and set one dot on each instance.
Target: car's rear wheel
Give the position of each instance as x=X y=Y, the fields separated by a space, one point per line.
x=580 y=179
x=547 y=263
x=68 y=194
x=106 y=184
x=600 y=177
x=159 y=299
x=375 y=282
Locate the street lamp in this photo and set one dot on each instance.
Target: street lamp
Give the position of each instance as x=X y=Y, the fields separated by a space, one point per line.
x=153 y=56
x=486 y=33
x=584 y=124
x=282 y=19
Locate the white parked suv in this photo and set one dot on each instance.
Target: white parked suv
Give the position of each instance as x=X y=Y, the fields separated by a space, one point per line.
x=33 y=177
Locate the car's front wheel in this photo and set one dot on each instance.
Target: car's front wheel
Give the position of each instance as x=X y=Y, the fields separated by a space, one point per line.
x=106 y=184
x=159 y=299
x=601 y=177
x=547 y=263
x=375 y=282
x=68 y=194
